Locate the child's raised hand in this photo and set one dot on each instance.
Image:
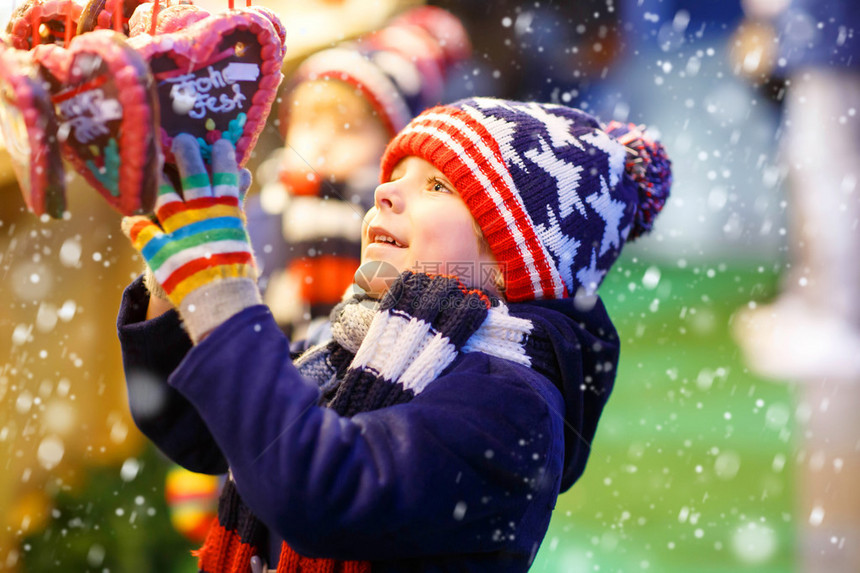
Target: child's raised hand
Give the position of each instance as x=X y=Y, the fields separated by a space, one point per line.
x=198 y=248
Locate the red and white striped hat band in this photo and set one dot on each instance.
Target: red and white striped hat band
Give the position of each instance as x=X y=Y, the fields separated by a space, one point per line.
x=353 y=68
x=543 y=182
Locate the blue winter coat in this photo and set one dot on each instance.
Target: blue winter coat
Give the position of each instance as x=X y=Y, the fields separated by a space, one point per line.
x=462 y=478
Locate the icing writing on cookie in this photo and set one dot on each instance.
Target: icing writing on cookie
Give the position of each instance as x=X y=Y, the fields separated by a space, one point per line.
x=87 y=113
x=196 y=94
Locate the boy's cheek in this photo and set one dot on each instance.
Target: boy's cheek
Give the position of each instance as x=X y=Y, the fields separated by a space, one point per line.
x=364 y=224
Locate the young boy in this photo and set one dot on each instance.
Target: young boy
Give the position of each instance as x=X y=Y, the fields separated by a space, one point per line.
x=436 y=429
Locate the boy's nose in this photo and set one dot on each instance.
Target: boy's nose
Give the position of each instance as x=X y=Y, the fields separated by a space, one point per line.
x=388 y=196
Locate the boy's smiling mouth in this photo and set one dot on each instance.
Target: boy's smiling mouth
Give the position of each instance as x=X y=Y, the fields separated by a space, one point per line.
x=386 y=240
x=379 y=236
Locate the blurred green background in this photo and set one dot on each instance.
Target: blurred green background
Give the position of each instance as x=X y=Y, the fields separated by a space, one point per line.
x=691 y=468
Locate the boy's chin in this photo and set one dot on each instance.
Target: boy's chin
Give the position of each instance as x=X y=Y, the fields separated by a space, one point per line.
x=375 y=277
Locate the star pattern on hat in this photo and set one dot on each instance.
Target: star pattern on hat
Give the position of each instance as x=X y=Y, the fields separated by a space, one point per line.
x=560 y=128
x=589 y=277
x=616 y=152
x=566 y=176
x=625 y=232
x=563 y=247
x=610 y=211
x=553 y=174
x=503 y=130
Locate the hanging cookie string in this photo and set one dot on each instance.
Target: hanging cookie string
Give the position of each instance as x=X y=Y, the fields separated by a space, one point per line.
x=68 y=30
x=117 y=15
x=34 y=27
x=155 y=8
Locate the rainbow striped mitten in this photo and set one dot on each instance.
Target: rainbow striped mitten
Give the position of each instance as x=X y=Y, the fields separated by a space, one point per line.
x=198 y=250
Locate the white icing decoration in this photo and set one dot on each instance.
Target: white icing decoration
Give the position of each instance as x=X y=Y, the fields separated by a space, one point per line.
x=87 y=113
x=238 y=72
x=191 y=95
x=184 y=98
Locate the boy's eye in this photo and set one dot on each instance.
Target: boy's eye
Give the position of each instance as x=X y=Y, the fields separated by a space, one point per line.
x=435 y=185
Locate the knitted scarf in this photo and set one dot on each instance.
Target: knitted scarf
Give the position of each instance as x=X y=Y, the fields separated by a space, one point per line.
x=378 y=357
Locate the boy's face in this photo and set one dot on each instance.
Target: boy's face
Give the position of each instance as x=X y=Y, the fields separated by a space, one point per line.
x=433 y=230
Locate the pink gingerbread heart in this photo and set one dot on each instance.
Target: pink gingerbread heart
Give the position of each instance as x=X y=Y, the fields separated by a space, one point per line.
x=30 y=133
x=38 y=22
x=218 y=76
x=172 y=16
x=105 y=101
x=99 y=15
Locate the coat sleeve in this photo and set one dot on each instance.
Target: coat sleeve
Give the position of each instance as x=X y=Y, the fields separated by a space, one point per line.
x=151 y=350
x=456 y=470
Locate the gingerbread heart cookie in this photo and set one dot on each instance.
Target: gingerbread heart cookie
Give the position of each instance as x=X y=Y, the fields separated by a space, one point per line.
x=43 y=22
x=30 y=133
x=171 y=17
x=100 y=15
x=105 y=101
x=216 y=79
x=280 y=30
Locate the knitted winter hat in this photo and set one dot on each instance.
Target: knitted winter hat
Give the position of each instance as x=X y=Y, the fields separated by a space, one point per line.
x=554 y=193
x=399 y=69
